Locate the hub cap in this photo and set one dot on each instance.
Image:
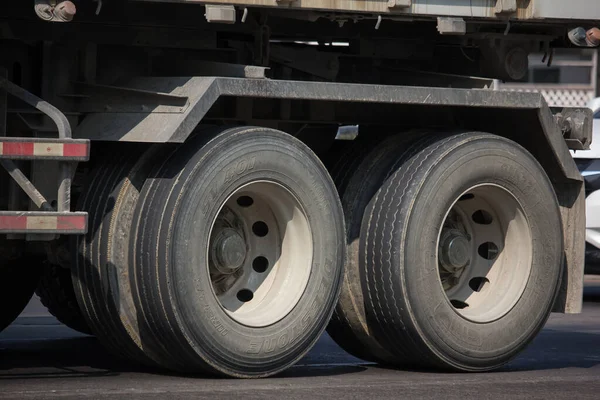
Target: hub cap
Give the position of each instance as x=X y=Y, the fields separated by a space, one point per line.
x=228 y=251
x=455 y=252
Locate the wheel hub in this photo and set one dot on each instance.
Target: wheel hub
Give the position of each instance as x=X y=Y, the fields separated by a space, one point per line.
x=484 y=253
x=228 y=251
x=260 y=253
x=455 y=249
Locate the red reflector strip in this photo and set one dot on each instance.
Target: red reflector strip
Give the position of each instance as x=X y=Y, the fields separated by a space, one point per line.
x=68 y=223
x=13 y=223
x=50 y=149
x=17 y=149
x=43 y=222
x=75 y=150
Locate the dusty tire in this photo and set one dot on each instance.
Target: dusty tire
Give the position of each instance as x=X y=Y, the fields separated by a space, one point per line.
x=407 y=300
x=359 y=173
x=56 y=293
x=211 y=186
x=18 y=280
x=345 y=326
x=100 y=271
x=344 y=157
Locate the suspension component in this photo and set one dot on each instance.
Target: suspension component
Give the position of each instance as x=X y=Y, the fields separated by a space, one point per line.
x=53 y=11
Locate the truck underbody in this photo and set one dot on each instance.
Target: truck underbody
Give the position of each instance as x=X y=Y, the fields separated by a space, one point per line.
x=194 y=155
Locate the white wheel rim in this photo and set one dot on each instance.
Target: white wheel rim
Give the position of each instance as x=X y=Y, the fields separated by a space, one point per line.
x=484 y=253
x=260 y=253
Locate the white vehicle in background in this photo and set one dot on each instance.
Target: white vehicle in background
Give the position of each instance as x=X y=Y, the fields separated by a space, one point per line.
x=588 y=162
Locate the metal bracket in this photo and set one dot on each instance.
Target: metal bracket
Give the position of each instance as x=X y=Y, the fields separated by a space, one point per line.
x=220 y=14
x=61 y=121
x=451 y=26
x=399 y=3
x=505 y=7
x=575 y=125
x=64 y=132
x=105 y=98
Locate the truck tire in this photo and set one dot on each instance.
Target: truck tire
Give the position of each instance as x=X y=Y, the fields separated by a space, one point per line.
x=462 y=254
x=358 y=175
x=100 y=272
x=343 y=159
x=344 y=156
x=18 y=280
x=55 y=290
x=344 y=327
x=239 y=250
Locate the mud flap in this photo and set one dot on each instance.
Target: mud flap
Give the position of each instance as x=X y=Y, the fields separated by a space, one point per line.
x=571 y=199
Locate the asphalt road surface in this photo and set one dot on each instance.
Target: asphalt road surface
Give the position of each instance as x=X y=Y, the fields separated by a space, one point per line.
x=41 y=359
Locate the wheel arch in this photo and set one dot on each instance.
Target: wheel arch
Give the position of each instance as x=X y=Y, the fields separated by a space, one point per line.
x=167 y=110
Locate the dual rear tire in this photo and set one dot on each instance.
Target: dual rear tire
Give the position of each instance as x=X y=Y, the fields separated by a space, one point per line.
x=455 y=252
x=223 y=256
